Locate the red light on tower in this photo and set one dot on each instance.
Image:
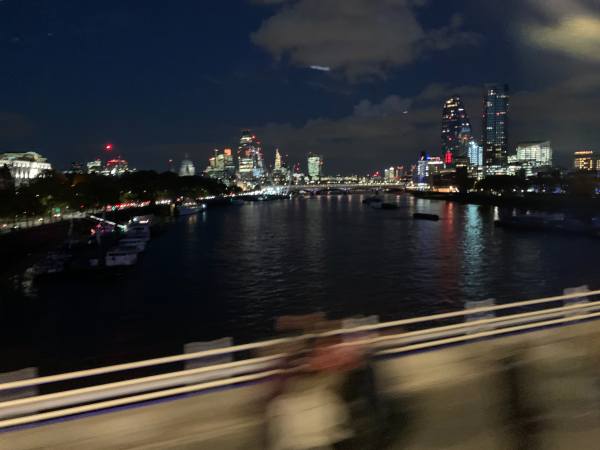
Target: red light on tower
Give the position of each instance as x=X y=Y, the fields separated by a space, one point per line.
x=108 y=147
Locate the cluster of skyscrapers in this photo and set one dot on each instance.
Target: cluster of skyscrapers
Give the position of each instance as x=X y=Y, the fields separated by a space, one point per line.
x=249 y=168
x=459 y=146
x=491 y=155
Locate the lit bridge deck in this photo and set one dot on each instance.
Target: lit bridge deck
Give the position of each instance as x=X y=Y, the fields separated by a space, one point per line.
x=446 y=378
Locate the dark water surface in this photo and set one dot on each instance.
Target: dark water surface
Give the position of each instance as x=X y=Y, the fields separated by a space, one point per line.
x=231 y=270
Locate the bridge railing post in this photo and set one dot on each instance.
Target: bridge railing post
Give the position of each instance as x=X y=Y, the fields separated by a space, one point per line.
x=490 y=302
x=24 y=392
x=576 y=301
x=200 y=346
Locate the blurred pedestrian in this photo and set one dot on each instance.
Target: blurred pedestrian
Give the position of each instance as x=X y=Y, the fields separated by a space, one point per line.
x=308 y=413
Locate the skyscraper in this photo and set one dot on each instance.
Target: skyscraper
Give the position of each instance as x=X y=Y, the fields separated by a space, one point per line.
x=495 y=124
x=277 y=166
x=475 y=154
x=250 y=157
x=456 y=129
x=315 y=165
x=281 y=174
x=221 y=166
x=422 y=168
x=229 y=162
x=390 y=175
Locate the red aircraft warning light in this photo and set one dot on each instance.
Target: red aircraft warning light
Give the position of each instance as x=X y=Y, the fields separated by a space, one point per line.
x=108 y=147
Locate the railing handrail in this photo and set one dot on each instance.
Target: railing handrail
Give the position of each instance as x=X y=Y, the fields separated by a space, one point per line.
x=464 y=312
x=137 y=381
x=475 y=324
x=138 y=364
x=269 y=343
x=271 y=358
x=136 y=399
x=262 y=375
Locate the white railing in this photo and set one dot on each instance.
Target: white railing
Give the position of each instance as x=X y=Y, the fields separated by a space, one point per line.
x=103 y=396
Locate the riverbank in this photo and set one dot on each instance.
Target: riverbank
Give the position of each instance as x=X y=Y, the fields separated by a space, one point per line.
x=541 y=202
x=21 y=248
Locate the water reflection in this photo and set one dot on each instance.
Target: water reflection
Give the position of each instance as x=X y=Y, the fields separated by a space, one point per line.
x=473 y=250
x=230 y=270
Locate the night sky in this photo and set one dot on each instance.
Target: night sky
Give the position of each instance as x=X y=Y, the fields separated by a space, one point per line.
x=161 y=78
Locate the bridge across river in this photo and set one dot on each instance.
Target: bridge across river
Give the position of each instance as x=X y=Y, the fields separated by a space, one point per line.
x=449 y=381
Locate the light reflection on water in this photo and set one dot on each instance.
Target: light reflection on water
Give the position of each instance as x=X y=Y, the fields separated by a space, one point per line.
x=231 y=270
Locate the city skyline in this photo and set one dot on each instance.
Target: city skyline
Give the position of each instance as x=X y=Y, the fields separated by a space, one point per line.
x=80 y=76
x=299 y=224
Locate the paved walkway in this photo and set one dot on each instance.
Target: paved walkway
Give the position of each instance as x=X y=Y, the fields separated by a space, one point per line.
x=456 y=398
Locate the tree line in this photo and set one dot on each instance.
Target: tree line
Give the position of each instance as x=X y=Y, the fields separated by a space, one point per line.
x=76 y=192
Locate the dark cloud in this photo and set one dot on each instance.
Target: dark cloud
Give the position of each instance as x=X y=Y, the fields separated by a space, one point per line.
x=357 y=37
x=390 y=106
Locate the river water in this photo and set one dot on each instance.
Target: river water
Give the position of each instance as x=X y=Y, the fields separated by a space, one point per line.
x=230 y=270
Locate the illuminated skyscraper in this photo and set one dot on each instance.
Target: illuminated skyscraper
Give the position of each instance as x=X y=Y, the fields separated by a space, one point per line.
x=475 y=154
x=277 y=166
x=250 y=157
x=221 y=166
x=281 y=174
x=390 y=175
x=422 y=168
x=456 y=129
x=495 y=124
x=315 y=165
x=229 y=162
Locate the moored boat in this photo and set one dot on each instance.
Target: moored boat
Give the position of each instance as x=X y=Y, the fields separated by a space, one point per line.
x=139 y=244
x=374 y=200
x=553 y=223
x=121 y=256
x=148 y=219
x=424 y=216
x=189 y=208
x=138 y=231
